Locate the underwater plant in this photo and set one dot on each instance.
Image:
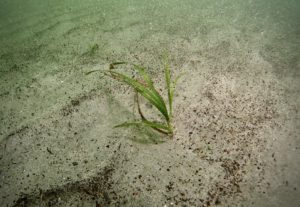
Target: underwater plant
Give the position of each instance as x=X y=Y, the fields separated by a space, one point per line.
x=145 y=87
x=93 y=49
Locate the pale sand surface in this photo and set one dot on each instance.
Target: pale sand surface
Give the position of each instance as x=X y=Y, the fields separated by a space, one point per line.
x=236 y=109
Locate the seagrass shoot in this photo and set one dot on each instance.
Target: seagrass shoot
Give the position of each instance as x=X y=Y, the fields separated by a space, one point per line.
x=144 y=86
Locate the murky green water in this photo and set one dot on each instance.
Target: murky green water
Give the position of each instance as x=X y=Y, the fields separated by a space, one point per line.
x=46 y=47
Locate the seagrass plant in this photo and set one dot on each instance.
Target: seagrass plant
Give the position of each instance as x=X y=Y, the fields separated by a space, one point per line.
x=146 y=88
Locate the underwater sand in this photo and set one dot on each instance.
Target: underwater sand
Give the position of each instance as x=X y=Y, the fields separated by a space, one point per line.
x=236 y=111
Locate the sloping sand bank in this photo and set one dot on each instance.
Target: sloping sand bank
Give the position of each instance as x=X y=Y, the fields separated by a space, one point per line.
x=236 y=110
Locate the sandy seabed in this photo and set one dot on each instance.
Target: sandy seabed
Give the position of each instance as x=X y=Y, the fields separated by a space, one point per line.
x=236 y=109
